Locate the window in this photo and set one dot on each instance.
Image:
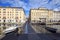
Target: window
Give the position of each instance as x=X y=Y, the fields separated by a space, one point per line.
x=20 y=20
x=0 y=17
x=8 y=17
x=8 y=14
x=34 y=20
x=16 y=17
x=20 y=17
x=0 y=24
x=4 y=12
x=0 y=14
x=4 y=17
x=0 y=11
x=10 y=20
x=4 y=9
x=16 y=12
x=0 y=20
x=16 y=20
x=4 y=20
x=12 y=17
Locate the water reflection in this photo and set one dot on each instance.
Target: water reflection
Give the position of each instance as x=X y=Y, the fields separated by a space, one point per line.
x=54 y=26
x=43 y=28
x=57 y=27
x=39 y=28
x=33 y=32
x=26 y=29
x=9 y=28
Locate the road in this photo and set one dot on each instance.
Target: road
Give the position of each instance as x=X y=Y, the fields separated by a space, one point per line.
x=31 y=34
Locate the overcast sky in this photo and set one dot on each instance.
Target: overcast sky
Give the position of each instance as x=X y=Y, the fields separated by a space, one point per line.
x=28 y=4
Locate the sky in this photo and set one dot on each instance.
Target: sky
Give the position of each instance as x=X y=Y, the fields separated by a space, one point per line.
x=28 y=4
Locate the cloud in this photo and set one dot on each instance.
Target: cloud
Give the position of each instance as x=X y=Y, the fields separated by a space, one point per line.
x=55 y=9
x=33 y=3
x=28 y=4
x=17 y=3
x=14 y=3
x=37 y=3
x=50 y=4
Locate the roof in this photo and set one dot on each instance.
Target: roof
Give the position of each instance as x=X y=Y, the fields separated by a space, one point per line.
x=11 y=7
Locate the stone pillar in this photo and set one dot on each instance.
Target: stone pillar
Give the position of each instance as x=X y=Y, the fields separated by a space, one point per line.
x=1 y=31
x=20 y=30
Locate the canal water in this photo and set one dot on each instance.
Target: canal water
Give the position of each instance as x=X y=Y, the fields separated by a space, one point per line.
x=32 y=32
x=54 y=26
x=26 y=29
x=39 y=28
x=32 y=29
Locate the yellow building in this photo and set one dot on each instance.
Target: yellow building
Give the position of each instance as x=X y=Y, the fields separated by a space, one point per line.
x=11 y=15
x=40 y=15
x=56 y=16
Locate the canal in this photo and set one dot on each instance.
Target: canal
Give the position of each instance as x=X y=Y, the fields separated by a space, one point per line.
x=33 y=32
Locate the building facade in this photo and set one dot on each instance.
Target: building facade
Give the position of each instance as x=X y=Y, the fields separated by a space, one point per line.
x=38 y=15
x=56 y=16
x=11 y=16
x=43 y=15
